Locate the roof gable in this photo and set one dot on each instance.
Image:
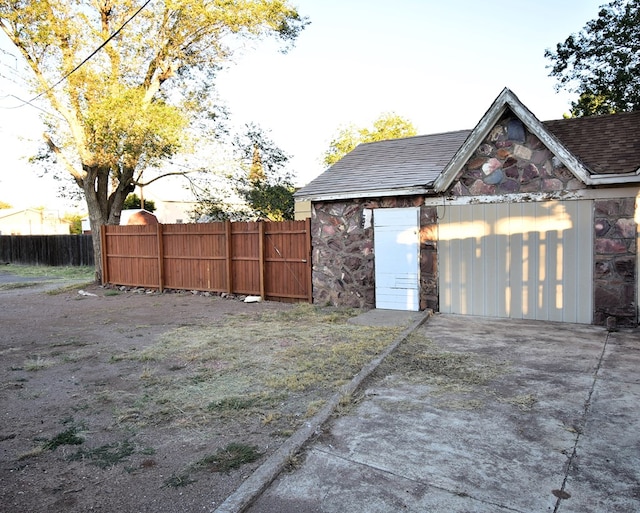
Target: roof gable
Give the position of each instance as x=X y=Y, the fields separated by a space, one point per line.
x=557 y=136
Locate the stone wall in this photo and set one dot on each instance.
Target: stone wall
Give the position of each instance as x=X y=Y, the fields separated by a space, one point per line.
x=615 y=261
x=343 y=264
x=511 y=160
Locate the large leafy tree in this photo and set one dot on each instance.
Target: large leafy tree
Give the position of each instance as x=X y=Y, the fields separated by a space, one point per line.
x=387 y=126
x=602 y=62
x=128 y=81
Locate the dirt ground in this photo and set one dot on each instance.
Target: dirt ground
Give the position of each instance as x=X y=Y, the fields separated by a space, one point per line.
x=92 y=418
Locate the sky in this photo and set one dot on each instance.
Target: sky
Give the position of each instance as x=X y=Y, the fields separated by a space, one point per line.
x=439 y=64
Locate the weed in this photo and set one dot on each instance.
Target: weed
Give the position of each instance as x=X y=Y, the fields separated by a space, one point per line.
x=69 y=288
x=106 y=455
x=246 y=364
x=36 y=451
x=71 y=342
x=20 y=285
x=314 y=407
x=237 y=403
x=270 y=417
x=328 y=365
x=231 y=457
x=419 y=359
x=179 y=480
x=38 y=363
x=147 y=373
x=294 y=462
x=524 y=402
x=67 y=437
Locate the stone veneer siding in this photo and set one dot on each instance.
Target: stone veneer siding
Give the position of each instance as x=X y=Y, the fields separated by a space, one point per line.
x=615 y=261
x=513 y=161
x=343 y=263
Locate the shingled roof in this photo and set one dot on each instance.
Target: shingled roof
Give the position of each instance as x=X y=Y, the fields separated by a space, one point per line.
x=604 y=144
x=393 y=167
x=599 y=150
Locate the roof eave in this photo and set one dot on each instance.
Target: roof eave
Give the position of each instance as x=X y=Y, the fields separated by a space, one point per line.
x=375 y=193
x=615 y=178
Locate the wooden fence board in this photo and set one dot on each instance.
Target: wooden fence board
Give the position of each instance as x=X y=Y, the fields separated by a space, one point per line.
x=54 y=250
x=253 y=258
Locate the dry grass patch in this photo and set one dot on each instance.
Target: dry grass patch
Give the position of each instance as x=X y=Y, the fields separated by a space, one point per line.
x=277 y=366
x=457 y=378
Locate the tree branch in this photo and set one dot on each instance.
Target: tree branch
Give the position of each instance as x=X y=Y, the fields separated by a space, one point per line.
x=176 y=173
x=78 y=177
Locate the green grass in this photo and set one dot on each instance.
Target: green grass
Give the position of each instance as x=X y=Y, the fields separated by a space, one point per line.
x=19 y=285
x=231 y=457
x=224 y=460
x=106 y=455
x=45 y=271
x=67 y=437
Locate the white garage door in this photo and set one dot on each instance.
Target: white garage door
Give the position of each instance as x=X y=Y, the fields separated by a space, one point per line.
x=397 y=258
x=518 y=260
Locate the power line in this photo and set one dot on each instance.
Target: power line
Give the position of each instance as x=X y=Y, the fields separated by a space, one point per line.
x=23 y=103
x=92 y=53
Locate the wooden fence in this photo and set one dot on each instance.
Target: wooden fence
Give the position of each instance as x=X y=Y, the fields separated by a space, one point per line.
x=272 y=260
x=56 y=250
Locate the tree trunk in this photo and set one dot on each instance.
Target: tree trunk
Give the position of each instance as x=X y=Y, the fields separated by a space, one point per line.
x=96 y=220
x=103 y=208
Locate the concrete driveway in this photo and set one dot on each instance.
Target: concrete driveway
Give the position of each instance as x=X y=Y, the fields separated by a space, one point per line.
x=554 y=426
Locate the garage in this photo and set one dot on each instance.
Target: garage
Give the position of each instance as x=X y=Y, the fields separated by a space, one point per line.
x=516 y=218
x=517 y=260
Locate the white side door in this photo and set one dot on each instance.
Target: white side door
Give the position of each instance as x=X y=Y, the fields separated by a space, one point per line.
x=397 y=258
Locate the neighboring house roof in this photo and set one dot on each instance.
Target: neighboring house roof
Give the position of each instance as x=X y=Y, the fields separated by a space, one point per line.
x=393 y=167
x=597 y=150
x=32 y=221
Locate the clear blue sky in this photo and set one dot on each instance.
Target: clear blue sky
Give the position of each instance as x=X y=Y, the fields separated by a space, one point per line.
x=438 y=63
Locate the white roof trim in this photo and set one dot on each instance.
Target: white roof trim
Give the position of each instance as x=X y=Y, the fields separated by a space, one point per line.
x=506 y=99
x=377 y=193
x=615 y=178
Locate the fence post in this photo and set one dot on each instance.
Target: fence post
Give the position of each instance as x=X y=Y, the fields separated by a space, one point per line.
x=104 y=258
x=309 y=253
x=160 y=257
x=229 y=255
x=261 y=257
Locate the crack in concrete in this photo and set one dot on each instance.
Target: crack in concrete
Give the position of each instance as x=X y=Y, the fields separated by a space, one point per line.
x=414 y=480
x=583 y=423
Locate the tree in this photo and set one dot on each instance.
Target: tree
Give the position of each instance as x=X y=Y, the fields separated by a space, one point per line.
x=259 y=187
x=266 y=187
x=127 y=84
x=134 y=201
x=75 y=223
x=602 y=62
x=387 y=126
